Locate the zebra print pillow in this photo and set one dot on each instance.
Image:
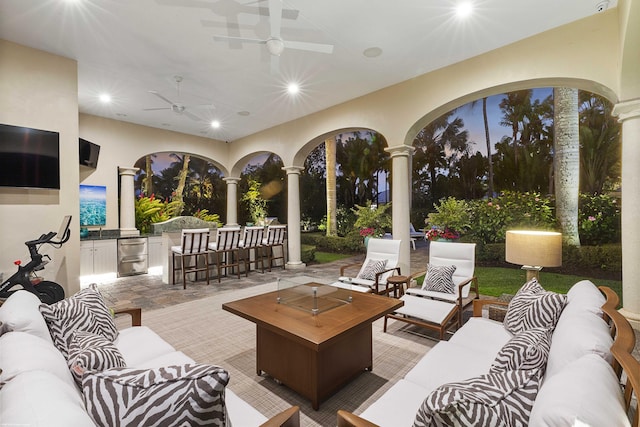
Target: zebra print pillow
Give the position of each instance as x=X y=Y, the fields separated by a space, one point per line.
x=85 y=311
x=91 y=352
x=495 y=399
x=533 y=307
x=186 y=395
x=373 y=267
x=440 y=278
x=527 y=350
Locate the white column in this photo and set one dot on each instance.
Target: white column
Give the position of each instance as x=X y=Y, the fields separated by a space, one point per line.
x=400 y=190
x=127 y=202
x=293 y=217
x=628 y=113
x=232 y=200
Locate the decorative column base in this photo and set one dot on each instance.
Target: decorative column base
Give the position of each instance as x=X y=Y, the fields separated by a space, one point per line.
x=296 y=265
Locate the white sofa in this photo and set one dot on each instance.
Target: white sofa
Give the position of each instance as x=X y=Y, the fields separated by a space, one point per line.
x=37 y=388
x=580 y=383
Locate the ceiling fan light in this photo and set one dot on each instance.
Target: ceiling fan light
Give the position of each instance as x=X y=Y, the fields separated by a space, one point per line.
x=275 y=46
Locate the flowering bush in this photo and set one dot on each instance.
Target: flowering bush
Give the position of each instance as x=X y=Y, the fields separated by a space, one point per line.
x=372 y=217
x=598 y=219
x=367 y=232
x=436 y=233
x=451 y=214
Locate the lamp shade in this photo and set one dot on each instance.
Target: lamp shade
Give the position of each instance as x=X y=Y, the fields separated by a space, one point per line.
x=534 y=248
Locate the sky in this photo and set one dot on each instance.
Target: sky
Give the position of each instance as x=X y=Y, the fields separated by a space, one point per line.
x=474 y=123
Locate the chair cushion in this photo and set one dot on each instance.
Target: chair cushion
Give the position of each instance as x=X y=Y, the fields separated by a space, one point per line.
x=20 y=313
x=371 y=268
x=439 y=278
x=494 y=399
x=585 y=393
x=92 y=352
x=533 y=307
x=173 y=395
x=139 y=344
x=526 y=350
x=85 y=311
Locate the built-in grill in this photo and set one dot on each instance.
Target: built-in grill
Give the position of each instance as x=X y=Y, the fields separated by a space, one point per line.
x=132 y=256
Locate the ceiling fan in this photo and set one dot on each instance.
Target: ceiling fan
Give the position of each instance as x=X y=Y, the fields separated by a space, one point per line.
x=178 y=107
x=275 y=44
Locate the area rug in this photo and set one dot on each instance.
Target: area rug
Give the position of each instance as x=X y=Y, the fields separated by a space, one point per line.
x=206 y=333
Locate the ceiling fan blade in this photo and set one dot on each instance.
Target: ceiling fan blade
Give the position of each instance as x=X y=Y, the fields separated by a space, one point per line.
x=241 y=39
x=156 y=109
x=313 y=47
x=161 y=97
x=192 y=116
x=275 y=17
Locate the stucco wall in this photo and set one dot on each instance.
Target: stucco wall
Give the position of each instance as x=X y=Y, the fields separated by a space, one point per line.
x=39 y=90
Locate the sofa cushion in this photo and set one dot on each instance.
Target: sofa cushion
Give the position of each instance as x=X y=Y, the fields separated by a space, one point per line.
x=20 y=313
x=586 y=393
x=85 y=311
x=40 y=398
x=22 y=352
x=533 y=307
x=139 y=344
x=397 y=406
x=481 y=334
x=526 y=350
x=494 y=399
x=371 y=268
x=92 y=352
x=577 y=334
x=585 y=296
x=448 y=362
x=439 y=278
x=172 y=395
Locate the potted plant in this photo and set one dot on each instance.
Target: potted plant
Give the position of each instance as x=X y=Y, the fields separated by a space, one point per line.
x=372 y=220
x=450 y=220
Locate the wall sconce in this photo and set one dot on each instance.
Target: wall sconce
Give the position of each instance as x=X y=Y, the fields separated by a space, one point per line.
x=534 y=250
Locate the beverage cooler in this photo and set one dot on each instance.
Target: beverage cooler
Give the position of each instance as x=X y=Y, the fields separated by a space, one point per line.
x=132 y=256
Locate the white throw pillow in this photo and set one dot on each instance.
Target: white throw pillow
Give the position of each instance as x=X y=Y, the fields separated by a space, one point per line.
x=22 y=352
x=586 y=393
x=20 y=313
x=39 y=398
x=585 y=296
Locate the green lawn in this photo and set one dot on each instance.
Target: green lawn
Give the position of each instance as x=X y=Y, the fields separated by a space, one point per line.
x=494 y=281
x=323 y=257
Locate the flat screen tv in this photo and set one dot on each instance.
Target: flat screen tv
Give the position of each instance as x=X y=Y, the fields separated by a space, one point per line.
x=29 y=157
x=88 y=152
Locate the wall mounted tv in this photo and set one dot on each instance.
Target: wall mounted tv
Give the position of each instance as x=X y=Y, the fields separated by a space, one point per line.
x=89 y=153
x=29 y=157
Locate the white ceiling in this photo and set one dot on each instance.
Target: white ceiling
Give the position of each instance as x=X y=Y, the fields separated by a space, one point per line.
x=129 y=47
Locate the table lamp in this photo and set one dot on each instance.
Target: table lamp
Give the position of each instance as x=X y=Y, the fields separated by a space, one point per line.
x=534 y=250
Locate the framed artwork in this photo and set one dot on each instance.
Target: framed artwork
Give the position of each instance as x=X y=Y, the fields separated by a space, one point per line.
x=93 y=205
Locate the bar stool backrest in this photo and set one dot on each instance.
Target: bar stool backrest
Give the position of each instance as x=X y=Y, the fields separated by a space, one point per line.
x=253 y=237
x=195 y=240
x=228 y=239
x=276 y=234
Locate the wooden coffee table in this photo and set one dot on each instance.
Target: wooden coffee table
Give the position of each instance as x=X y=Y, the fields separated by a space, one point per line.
x=314 y=355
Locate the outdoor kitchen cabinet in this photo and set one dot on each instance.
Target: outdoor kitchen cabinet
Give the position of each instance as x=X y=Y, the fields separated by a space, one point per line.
x=98 y=257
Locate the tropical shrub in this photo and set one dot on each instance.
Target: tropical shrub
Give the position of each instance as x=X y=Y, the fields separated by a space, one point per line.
x=149 y=210
x=371 y=217
x=452 y=215
x=598 y=219
x=204 y=215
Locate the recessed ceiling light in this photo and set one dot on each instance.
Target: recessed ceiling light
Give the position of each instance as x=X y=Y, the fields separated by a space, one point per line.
x=243 y=113
x=293 y=88
x=215 y=124
x=105 y=98
x=464 y=9
x=372 y=52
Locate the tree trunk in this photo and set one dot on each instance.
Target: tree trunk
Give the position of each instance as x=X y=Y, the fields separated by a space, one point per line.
x=182 y=181
x=567 y=162
x=330 y=152
x=488 y=139
x=147 y=182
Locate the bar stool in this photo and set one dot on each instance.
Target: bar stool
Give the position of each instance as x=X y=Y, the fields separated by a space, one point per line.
x=226 y=250
x=195 y=242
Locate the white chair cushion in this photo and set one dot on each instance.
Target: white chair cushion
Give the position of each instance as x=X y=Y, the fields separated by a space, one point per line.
x=139 y=344
x=344 y=283
x=22 y=352
x=426 y=309
x=432 y=294
x=39 y=398
x=480 y=334
x=398 y=406
x=240 y=412
x=587 y=386
x=20 y=313
x=584 y=295
x=448 y=362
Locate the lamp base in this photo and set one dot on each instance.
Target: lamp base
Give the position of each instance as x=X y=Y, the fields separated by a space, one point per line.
x=533 y=272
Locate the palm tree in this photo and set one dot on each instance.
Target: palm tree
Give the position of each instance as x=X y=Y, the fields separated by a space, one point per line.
x=487 y=138
x=567 y=161
x=330 y=155
x=182 y=180
x=515 y=107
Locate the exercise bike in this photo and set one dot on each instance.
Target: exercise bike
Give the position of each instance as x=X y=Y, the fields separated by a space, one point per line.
x=26 y=278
